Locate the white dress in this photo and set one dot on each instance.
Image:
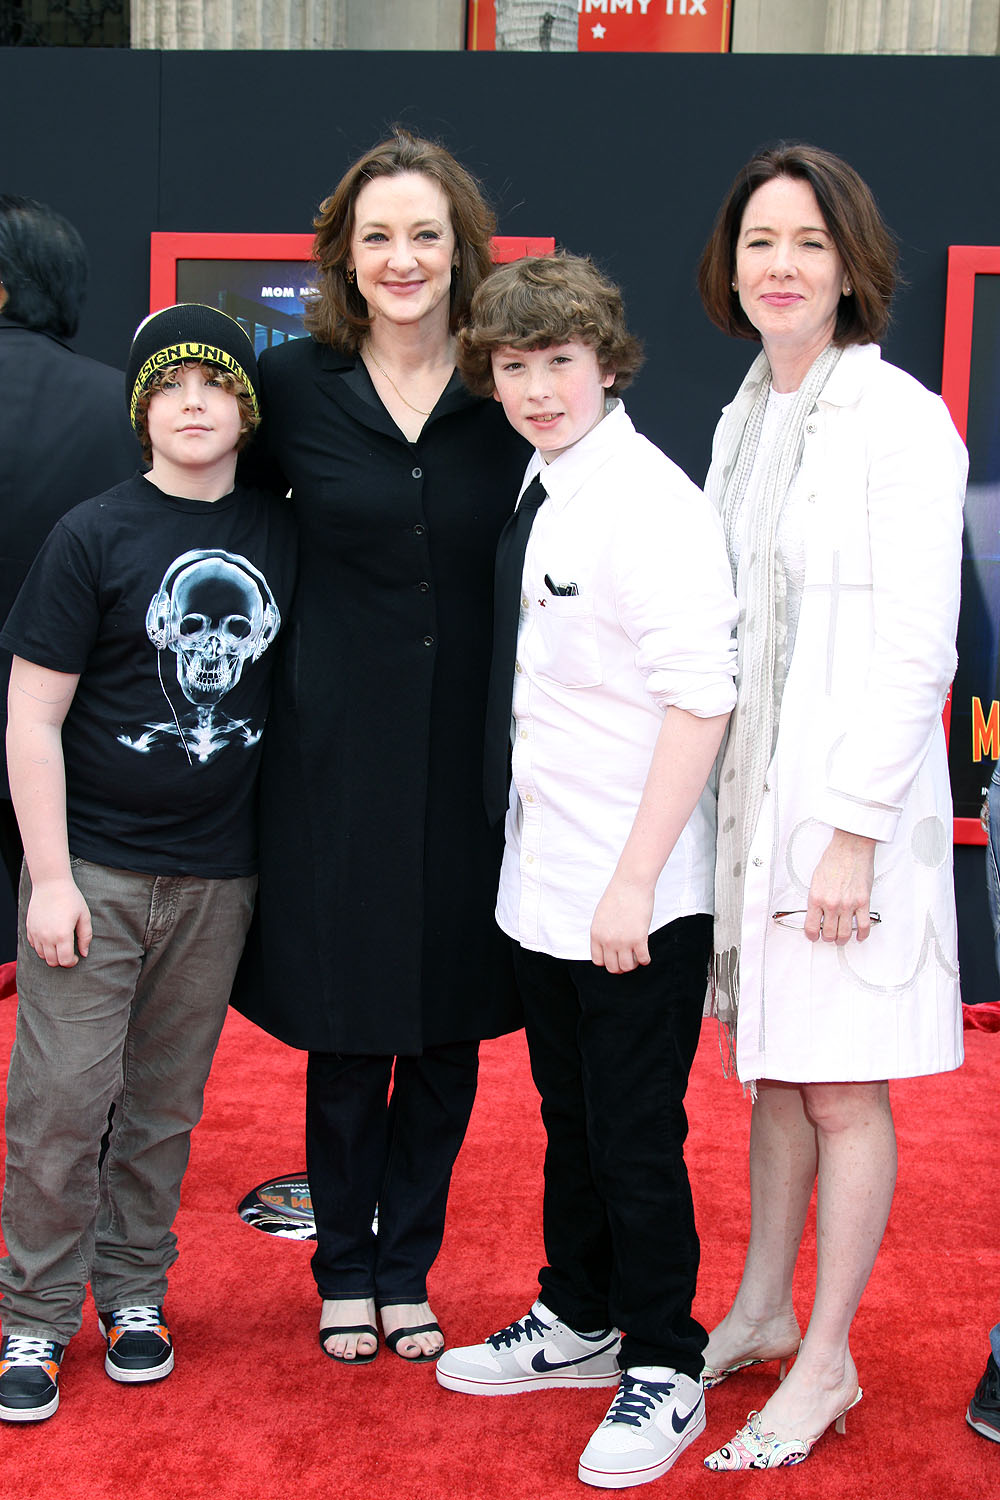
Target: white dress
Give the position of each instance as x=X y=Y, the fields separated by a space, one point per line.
x=878 y=504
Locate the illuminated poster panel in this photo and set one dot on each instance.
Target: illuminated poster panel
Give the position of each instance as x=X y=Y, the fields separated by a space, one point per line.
x=261 y=280
x=626 y=25
x=971 y=387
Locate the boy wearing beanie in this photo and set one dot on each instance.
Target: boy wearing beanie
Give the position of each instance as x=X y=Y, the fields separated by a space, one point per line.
x=139 y=692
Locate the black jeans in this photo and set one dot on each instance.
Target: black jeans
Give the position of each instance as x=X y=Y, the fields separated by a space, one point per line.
x=362 y=1151
x=11 y=848
x=610 y=1056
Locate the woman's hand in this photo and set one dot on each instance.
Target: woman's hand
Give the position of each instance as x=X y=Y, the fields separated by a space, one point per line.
x=841 y=890
x=619 y=934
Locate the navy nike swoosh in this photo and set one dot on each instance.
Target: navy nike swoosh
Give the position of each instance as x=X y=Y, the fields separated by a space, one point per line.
x=678 y=1422
x=543 y=1365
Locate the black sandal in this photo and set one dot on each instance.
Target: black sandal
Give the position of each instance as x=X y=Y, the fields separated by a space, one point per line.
x=392 y=1339
x=359 y=1359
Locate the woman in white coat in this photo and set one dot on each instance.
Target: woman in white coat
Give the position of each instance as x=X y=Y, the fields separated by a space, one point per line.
x=840 y=481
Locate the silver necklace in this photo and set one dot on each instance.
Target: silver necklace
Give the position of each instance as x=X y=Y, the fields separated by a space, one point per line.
x=371 y=353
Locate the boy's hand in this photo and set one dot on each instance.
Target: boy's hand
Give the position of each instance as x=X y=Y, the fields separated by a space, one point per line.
x=57 y=913
x=619 y=934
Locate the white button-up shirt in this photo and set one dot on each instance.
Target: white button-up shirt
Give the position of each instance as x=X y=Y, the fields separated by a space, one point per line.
x=627 y=608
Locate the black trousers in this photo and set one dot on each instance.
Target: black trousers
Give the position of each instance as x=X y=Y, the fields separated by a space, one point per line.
x=11 y=853
x=610 y=1056
x=11 y=848
x=365 y=1147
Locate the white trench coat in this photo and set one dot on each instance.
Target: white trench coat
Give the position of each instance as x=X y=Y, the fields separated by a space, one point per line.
x=860 y=744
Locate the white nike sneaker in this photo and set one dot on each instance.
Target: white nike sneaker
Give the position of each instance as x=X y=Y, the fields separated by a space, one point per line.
x=648 y=1426
x=535 y=1354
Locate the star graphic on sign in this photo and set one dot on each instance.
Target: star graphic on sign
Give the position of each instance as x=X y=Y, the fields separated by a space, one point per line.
x=597 y=32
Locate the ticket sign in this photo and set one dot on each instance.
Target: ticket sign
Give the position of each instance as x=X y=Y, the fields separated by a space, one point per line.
x=626 y=25
x=971 y=386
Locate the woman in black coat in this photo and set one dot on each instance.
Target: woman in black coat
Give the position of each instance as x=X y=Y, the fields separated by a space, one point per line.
x=375 y=946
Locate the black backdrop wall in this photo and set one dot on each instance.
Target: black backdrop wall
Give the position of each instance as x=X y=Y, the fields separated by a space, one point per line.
x=624 y=157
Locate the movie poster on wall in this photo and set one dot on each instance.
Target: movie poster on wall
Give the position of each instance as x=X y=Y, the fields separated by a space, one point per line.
x=971 y=387
x=262 y=280
x=621 y=25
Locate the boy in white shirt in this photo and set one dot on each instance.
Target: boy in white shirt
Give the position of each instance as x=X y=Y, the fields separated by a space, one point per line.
x=611 y=702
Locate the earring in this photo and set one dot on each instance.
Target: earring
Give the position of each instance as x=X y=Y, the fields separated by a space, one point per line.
x=733 y=284
x=847 y=289
x=349 y=275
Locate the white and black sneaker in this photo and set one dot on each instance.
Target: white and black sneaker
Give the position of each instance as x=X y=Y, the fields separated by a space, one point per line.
x=139 y=1344
x=537 y=1353
x=29 y=1378
x=648 y=1426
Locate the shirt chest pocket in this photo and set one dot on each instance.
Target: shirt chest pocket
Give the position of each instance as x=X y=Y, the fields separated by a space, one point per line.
x=566 y=649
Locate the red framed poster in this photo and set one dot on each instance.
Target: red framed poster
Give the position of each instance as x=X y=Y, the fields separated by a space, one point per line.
x=625 y=25
x=971 y=387
x=260 y=279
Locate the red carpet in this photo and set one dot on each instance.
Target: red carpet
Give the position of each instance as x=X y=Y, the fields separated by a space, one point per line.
x=254 y=1411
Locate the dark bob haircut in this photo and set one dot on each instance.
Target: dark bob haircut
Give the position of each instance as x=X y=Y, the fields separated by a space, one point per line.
x=337 y=313
x=864 y=244
x=43 y=267
x=543 y=300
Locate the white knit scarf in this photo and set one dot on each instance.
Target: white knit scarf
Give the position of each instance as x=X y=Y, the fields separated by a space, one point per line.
x=762 y=648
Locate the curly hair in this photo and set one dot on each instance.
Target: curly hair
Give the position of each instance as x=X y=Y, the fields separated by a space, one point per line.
x=336 y=313
x=543 y=300
x=229 y=383
x=863 y=242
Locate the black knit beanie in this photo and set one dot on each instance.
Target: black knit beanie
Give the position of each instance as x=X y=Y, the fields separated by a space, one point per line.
x=189 y=331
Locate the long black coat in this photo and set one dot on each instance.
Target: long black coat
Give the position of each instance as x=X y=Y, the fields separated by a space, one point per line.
x=64 y=436
x=375 y=929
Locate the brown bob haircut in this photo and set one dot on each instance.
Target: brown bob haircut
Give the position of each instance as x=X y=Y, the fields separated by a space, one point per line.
x=543 y=300
x=864 y=244
x=229 y=383
x=337 y=314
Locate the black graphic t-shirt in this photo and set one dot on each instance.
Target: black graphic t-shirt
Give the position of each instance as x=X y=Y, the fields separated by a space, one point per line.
x=168 y=609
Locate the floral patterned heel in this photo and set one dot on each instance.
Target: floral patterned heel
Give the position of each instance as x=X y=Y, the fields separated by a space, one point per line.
x=753 y=1448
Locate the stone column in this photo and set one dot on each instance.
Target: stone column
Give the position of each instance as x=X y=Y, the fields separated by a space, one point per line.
x=405 y=25
x=930 y=27
x=778 y=26
x=308 y=25
x=536 y=25
x=235 y=25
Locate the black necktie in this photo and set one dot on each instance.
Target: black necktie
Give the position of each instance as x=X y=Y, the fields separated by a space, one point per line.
x=507 y=578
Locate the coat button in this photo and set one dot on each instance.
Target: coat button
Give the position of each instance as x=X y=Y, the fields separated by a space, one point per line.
x=419 y=530
x=428 y=640
x=757 y=860
x=423 y=587
x=810 y=427
x=418 y=473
